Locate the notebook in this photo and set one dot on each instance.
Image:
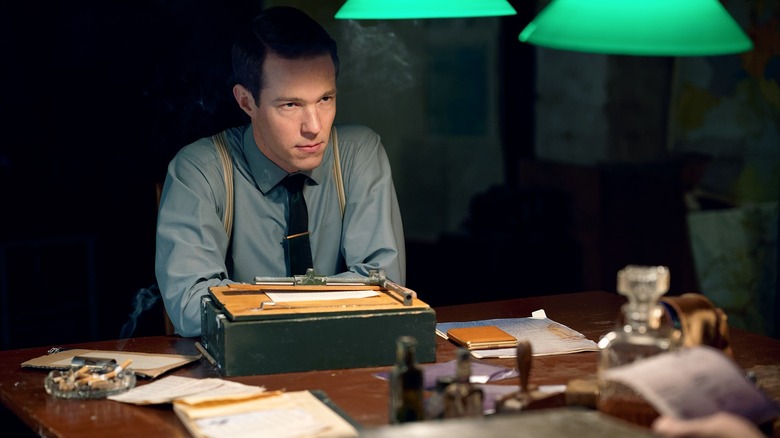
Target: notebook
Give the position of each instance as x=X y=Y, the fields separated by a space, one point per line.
x=481 y=337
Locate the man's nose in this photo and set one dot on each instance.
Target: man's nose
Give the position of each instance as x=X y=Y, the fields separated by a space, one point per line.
x=311 y=121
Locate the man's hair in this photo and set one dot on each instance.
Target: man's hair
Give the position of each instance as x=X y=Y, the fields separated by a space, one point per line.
x=285 y=31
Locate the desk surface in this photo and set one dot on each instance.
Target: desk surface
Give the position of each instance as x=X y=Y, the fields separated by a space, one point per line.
x=356 y=391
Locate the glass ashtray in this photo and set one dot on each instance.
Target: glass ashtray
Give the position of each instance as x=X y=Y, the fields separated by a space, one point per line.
x=89 y=382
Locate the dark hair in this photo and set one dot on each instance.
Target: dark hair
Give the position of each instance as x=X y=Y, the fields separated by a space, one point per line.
x=284 y=31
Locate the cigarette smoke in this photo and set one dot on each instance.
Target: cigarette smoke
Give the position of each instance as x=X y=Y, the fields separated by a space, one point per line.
x=144 y=299
x=375 y=57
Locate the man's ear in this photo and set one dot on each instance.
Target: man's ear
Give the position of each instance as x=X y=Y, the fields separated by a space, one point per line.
x=245 y=99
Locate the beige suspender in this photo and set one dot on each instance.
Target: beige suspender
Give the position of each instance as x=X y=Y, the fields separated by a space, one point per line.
x=337 y=172
x=227 y=173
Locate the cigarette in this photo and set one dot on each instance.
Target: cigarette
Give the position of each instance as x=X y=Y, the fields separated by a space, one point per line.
x=117 y=370
x=85 y=380
x=94 y=378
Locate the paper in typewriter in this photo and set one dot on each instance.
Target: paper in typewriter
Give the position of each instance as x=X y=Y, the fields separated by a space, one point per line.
x=282 y=296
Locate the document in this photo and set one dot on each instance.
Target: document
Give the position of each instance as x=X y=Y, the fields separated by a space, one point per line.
x=695 y=382
x=279 y=414
x=171 y=388
x=546 y=336
x=216 y=408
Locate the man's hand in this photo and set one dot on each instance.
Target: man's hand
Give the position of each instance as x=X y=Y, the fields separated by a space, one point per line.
x=718 y=425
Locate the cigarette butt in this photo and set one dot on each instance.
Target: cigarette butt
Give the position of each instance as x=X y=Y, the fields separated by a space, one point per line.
x=84 y=380
x=100 y=384
x=113 y=373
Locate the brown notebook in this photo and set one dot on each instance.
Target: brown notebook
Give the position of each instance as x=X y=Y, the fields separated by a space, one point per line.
x=482 y=337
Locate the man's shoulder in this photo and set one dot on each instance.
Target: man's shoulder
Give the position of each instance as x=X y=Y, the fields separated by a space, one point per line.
x=357 y=136
x=203 y=149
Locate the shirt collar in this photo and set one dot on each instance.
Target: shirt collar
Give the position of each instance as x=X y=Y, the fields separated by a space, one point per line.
x=265 y=172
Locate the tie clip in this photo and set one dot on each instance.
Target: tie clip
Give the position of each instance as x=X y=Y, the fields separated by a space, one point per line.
x=297 y=235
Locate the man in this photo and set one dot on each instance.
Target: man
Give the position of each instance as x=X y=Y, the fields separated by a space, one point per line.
x=285 y=68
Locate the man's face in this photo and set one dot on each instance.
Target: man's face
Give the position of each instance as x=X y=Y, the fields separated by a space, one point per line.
x=297 y=107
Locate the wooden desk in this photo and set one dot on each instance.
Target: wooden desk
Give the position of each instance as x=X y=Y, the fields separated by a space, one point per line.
x=356 y=391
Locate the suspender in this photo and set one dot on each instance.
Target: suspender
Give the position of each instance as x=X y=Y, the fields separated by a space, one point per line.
x=337 y=171
x=227 y=174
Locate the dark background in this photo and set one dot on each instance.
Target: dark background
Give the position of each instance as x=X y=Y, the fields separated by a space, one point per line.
x=98 y=96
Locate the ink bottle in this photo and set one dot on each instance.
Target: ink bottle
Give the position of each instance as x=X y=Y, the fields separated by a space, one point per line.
x=642 y=331
x=462 y=398
x=406 y=384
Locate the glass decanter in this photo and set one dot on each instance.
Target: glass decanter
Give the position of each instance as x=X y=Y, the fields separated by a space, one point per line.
x=641 y=332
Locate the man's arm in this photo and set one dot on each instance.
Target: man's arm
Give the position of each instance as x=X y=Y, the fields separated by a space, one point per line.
x=191 y=240
x=373 y=235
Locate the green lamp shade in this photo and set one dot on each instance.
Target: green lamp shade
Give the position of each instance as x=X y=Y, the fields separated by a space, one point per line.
x=638 y=27
x=412 y=9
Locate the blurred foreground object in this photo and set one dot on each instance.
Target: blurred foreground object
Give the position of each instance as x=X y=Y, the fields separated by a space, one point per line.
x=639 y=334
x=699 y=320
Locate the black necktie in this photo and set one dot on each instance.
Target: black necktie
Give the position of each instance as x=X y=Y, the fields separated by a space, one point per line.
x=298 y=247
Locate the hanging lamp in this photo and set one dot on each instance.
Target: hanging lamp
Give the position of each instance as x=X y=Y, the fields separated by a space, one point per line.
x=414 y=9
x=638 y=27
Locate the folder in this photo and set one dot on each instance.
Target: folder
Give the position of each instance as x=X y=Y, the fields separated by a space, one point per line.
x=481 y=337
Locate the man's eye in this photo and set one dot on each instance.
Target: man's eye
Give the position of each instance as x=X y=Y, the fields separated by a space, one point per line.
x=289 y=105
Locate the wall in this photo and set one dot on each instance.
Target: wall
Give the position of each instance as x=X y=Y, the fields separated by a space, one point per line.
x=431 y=89
x=671 y=150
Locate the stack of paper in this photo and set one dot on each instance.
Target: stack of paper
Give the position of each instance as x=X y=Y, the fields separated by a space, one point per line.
x=218 y=408
x=546 y=336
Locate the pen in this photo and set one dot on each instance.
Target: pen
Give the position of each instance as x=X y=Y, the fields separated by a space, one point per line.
x=205 y=353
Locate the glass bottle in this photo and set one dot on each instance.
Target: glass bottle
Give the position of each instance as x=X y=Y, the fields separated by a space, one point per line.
x=462 y=398
x=406 y=384
x=641 y=332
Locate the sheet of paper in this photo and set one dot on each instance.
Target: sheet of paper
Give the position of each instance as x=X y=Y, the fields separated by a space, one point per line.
x=171 y=388
x=272 y=423
x=286 y=297
x=492 y=392
x=547 y=337
x=480 y=372
x=695 y=382
x=283 y=414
